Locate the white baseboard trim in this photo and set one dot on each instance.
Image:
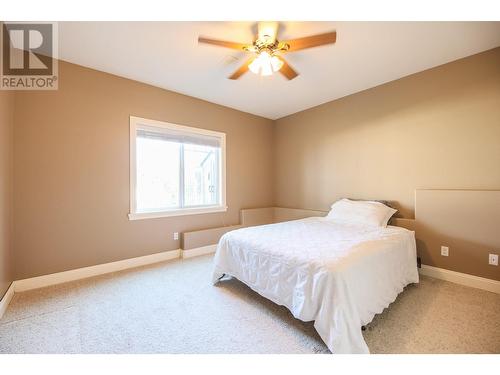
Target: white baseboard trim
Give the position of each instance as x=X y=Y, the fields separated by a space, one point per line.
x=199 y=251
x=100 y=269
x=461 y=278
x=4 y=302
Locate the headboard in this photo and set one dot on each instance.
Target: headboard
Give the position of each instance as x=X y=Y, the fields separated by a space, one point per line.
x=267 y=215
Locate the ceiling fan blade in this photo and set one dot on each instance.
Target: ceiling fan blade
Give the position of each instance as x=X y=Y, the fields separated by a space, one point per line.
x=222 y=43
x=241 y=70
x=267 y=31
x=287 y=70
x=311 y=41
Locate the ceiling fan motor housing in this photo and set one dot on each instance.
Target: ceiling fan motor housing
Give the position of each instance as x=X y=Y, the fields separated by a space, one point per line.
x=265 y=44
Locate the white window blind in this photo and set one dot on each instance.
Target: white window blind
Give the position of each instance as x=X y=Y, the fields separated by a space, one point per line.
x=170 y=135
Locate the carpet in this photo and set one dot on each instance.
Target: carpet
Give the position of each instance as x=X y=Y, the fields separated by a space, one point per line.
x=172 y=307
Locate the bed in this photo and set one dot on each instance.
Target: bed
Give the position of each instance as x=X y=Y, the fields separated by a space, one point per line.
x=337 y=274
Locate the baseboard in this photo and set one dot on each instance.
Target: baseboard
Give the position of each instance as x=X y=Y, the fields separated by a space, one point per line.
x=199 y=251
x=4 y=302
x=461 y=278
x=100 y=269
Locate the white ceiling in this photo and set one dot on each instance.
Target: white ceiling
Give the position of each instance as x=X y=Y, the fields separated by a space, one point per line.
x=367 y=54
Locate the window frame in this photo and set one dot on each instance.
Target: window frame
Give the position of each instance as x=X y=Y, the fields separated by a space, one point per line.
x=136 y=123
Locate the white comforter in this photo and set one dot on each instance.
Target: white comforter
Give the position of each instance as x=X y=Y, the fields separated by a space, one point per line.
x=338 y=275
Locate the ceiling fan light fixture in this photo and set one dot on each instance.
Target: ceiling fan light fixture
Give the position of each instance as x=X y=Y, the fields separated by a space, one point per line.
x=265 y=64
x=267 y=51
x=276 y=63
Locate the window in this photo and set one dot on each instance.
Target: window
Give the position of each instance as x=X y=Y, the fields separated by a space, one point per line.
x=175 y=170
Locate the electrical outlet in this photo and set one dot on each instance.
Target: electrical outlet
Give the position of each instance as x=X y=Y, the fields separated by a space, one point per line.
x=445 y=251
x=176 y=236
x=493 y=259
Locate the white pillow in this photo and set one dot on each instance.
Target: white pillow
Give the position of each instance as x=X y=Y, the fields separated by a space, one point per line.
x=367 y=213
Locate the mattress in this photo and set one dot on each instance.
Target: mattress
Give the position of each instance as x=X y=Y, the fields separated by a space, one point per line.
x=337 y=275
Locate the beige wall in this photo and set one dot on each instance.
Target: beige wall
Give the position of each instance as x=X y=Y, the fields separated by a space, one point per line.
x=436 y=129
x=467 y=222
x=72 y=170
x=6 y=187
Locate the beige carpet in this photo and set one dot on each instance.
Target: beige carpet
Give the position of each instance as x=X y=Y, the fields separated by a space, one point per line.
x=173 y=308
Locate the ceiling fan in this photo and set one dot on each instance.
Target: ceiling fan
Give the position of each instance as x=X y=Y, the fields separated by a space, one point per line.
x=267 y=51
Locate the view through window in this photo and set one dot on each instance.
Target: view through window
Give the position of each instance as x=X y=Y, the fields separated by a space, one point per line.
x=176 y=168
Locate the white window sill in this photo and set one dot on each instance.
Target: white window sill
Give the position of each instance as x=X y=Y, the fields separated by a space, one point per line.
x=179 y=212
